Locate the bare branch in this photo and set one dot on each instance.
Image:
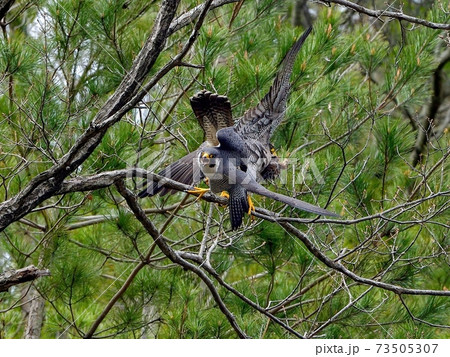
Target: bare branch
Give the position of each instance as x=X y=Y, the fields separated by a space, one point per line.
x=339 y=267
x=392 y=14
x=174 y=256
x=15 y=277
x=46 y=183
x=425 y=131
x=190 y=16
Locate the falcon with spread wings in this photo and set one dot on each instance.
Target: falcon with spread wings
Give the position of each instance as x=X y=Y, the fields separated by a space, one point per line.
x=235 y=158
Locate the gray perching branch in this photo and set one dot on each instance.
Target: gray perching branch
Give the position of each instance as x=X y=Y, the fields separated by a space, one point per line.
x=127 y=95
x=174 y=256
x=14 y=277
x=392 y=14
x=106 y=179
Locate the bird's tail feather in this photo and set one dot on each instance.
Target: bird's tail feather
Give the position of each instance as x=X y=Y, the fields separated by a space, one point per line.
x=247 y=182
x=238 y=206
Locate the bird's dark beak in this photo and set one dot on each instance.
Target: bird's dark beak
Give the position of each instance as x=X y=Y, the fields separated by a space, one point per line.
x=204 y=159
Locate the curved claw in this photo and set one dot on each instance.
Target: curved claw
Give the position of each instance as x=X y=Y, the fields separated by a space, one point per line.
x=273 y=151
x=226 y=195
x=251 y=206
x=198 y=191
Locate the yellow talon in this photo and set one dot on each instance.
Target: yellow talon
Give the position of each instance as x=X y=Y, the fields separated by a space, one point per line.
x=198 y=191
x=251 y=206
x=224 y=194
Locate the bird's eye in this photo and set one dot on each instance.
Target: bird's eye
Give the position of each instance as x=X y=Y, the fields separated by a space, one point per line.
x=211 y=156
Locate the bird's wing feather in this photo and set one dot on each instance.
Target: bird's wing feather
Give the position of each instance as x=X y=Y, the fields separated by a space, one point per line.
x=251 y=185
x=185 y=170
x=261 y=121
x=213 y=112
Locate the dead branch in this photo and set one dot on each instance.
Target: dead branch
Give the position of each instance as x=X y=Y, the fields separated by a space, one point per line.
x=174 y=256
x=5 y=5
x=23 y=275
x=392 y=14
x=340 y=268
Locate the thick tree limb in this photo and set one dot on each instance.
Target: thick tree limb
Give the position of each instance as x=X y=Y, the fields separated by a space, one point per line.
x=127 y=95
x=189 y=16
x=46 y=183
x=392 y=14
x=15 y=277
x=5 y=5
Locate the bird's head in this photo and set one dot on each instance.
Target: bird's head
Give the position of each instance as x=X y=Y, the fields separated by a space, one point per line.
x=210 y=160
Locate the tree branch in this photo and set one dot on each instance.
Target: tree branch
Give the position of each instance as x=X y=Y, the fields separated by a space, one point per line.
x=15 y=277
x=340 y=268
x=189 y=16
x=5 y=5
x=425 y=131
x=46 y=183
x=392 y=14
x=161 y=242
x=108 y=178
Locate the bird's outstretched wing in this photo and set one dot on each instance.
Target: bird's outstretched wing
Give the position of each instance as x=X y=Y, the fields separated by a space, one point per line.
x=184 y=170
x=213 y=112
x=251 y=185
x=260 y=122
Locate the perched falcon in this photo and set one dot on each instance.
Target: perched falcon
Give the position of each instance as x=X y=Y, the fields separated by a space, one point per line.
x=225 y=167
x=242 y=152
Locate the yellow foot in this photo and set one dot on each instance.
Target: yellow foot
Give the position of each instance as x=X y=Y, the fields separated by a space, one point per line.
x=198 y=191
x=224 y=194
x=251 y=206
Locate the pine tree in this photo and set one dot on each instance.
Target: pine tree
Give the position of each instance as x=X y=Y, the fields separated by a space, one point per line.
x=365 y=135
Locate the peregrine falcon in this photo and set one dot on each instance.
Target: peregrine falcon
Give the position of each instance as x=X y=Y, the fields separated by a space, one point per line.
x=235 y=158
x=225 y=167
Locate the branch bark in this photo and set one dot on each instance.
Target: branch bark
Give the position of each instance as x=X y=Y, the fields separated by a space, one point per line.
x=15 y=277
x=161 y=242
x=5 y=5
x=392 y=14
x=124 y=98
x=426 y=129
x=127 y=95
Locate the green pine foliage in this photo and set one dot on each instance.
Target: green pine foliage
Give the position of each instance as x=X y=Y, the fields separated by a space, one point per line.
x=347 y=135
